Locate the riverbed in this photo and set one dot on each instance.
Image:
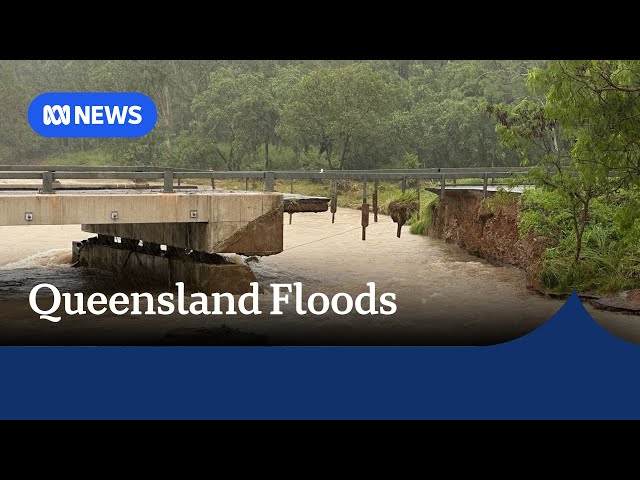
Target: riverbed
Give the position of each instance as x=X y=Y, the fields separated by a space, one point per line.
x=444 y=295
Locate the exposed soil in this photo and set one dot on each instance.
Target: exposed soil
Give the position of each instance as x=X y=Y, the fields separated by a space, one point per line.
x=490 y=233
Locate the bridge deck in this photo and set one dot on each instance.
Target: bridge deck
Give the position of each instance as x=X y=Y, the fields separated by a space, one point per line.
x=25 y=207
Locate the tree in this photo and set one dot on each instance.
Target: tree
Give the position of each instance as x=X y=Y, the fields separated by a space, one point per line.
x=443 y=124
x=339 y=110
x=237 y=112
x=526 y=128
x=17 y=141
x=597 y=104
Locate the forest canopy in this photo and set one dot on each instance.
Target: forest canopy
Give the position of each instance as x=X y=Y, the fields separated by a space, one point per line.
x=233 y=115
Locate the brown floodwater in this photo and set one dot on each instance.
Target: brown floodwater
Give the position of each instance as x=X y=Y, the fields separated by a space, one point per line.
x=444 y=295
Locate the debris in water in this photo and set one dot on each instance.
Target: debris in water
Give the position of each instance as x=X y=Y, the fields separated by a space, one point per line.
x=403 y=207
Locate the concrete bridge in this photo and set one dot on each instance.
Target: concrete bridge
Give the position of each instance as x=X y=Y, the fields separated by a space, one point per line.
x=213 y=221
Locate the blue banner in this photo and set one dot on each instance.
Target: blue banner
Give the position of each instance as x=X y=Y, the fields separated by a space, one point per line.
x=92 y=115
x=570 y=368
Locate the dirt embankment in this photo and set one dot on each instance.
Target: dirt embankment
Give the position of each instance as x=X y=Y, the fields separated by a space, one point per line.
x=488 y=229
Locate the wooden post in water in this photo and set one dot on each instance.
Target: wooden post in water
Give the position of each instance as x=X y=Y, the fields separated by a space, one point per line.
x=375 y=200
x=365 y=209
x=365 y=220
x=334 y=201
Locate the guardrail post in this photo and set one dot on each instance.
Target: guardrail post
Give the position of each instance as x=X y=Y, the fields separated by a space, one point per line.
x=47 y=182
x=442 y=185
x=269 y=181
x=404 y=183
x=168 y=181
x=484 y=186
x=246 y=184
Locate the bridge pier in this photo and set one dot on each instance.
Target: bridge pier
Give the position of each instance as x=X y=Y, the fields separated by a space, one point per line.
x=149 y=264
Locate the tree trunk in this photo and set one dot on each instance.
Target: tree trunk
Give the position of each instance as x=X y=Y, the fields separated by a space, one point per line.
x=580 y=224
x=345 y=149
x=328 y=156
x=576 y=259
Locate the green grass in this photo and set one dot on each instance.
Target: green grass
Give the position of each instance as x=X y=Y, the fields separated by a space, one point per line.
x=406 y=197
x=94 y=158
x=500 y=199
x=420 y=222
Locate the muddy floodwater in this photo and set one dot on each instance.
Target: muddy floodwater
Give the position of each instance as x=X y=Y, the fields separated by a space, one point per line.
x=444 y=295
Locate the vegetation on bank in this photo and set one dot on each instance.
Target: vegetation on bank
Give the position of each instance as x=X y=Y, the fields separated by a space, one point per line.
x=582 y=139
x=93 y=158
x=610 y=256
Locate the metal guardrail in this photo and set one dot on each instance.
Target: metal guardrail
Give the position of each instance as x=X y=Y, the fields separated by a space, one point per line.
x=48 y=174
x=89 y=168
x=83 y=168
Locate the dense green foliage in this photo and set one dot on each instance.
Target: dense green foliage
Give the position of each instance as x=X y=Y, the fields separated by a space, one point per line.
x=610 y=259
x=597 y=104
x=278 y=114
x=586 y=135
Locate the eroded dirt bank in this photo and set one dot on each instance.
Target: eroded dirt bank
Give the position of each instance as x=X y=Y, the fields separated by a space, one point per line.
x=488 y=229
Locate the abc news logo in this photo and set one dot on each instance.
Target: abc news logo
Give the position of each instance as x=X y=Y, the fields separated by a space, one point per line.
x=91 y=115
